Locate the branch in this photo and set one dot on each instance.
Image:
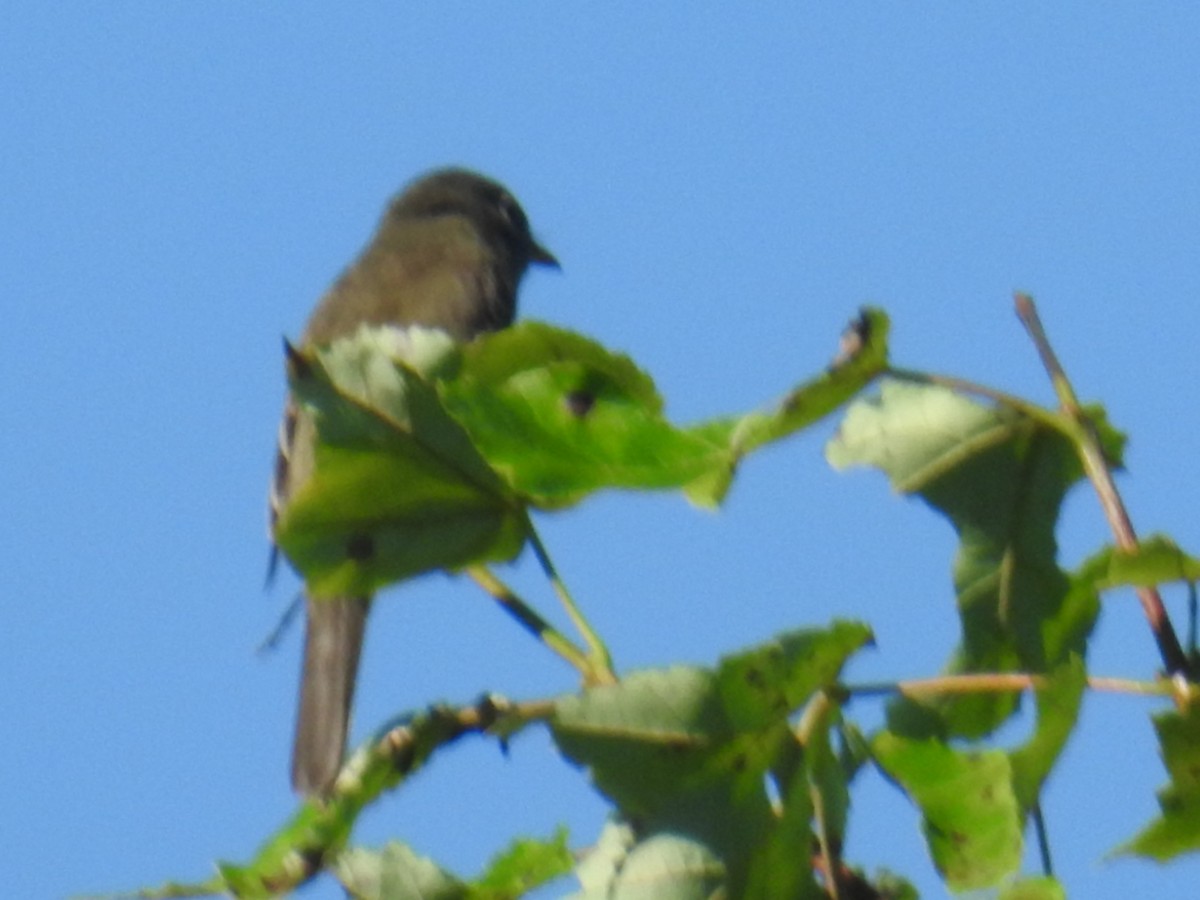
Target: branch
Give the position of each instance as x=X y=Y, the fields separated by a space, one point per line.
x=529 y=619
x=1000 y=682
x=1098 y=472
x=599 y=668
x=321 y=826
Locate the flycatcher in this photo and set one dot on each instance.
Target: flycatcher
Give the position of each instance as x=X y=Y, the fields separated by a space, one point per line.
x=449 y=253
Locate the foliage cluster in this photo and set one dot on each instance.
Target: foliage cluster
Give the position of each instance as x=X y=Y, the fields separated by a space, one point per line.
x=733 y=780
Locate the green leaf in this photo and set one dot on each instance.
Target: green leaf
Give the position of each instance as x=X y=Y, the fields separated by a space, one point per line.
x=974 y=803
x=779 y=865
x=828 y=779
x=526 y=864
x=428 y=454
x=772 y=679
x=759 y=685
x=971 y=817
x=818 y=397
x=1034 y=889
x=662 y=866
x=685 y=750
x=657 y=735
x=662 y=732
x=1177 y=829
x=1057 y=712
x=1000 y=478
x=218 y=884
x=398 y=487
x=1156 y=560
x=559 y=417
x=598 y=869
x=396 y=873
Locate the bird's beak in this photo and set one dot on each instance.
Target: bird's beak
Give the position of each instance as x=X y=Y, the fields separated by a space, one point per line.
x=544 y=257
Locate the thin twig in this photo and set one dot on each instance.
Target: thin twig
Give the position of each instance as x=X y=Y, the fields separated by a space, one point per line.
x=321 y=825
x=530 y=620
x=600 y=669
x=1043 y=839
x=271 y=641
x=1001 y=682
x=1193 y=609
x=1040 y=414
x=816 y=716
x=1098 y=472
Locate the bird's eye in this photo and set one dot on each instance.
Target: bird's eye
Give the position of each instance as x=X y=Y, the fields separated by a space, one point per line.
x=507 y=208
x=510 y=212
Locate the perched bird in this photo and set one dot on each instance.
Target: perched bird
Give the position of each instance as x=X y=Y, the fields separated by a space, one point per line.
x=449 y=253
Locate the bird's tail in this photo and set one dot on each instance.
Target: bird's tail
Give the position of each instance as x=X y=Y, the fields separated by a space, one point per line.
x=332 y=646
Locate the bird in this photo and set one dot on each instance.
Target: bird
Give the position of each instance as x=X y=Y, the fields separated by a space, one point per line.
x=449 y=252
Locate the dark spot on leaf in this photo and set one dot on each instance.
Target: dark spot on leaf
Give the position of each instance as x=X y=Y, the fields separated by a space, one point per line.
x=360 y=548
x=754 y=678
x=739 y=763
x=312 y=858
x=580 y=403
x=678 y=746
x=854 y=338
x=402 y=757
x=793 y=404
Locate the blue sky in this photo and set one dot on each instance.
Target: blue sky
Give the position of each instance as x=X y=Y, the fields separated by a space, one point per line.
x=724 y=186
